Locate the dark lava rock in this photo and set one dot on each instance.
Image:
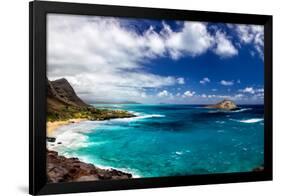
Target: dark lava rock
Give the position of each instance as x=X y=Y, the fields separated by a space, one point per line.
x=62 y=169
x=51 y=139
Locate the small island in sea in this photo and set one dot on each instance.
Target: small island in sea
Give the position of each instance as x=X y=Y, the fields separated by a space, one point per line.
x=224 y=105
x=141 y=98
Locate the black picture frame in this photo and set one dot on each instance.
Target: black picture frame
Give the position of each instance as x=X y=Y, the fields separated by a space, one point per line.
x=37 y=96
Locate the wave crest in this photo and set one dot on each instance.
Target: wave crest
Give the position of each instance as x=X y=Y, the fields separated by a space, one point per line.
x=252 y=120
x=139 y=117
x=231 y=111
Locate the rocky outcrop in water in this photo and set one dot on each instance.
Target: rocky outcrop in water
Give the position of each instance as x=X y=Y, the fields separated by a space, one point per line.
x=62 y=169
x=224 y=105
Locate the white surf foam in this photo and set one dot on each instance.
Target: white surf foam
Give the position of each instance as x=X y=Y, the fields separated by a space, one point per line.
x=134 y=174
x=67 y=141
x=252 y=120
x=179 y=152
x=89 y=160
x=72 y=136
x=138 y=117
x=240 y=110
x=231 y=111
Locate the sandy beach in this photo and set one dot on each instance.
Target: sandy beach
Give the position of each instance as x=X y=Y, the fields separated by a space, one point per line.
x=52 y=126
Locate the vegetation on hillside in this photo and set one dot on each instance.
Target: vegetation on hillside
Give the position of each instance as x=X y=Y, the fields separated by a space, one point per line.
x=90 y=113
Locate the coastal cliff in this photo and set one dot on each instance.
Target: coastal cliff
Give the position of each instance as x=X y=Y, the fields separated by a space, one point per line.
x=62 y=169
x=64 y=104
x=224 y=105
x=61 y=93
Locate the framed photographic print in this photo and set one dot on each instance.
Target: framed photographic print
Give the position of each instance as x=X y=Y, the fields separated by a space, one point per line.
x=128 y=98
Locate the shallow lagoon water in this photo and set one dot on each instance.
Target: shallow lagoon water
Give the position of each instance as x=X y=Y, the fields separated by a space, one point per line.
x=169 y=140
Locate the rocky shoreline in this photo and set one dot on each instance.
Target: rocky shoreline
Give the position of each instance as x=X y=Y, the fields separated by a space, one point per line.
x=62 y=169
x=65 y=107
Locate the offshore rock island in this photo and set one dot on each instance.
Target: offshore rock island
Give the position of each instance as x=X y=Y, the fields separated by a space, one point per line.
x=224 y=105
x=65 y=107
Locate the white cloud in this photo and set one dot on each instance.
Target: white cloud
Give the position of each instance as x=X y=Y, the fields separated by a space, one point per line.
x=194 y=39
x=163 y=93
x=252 y=34
x=218 y=97
x=251 y=90
x=226 y=83
x=224 y=46
x=188 y=94
x=180 y=81
x=244 y=32
x=104 y=59
x=205 y=80
x=248 y=90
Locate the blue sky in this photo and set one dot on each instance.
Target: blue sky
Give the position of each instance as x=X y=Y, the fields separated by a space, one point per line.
x=153 y=61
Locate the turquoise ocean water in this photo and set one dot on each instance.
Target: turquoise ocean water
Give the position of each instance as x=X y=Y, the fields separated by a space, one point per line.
x=168 y=140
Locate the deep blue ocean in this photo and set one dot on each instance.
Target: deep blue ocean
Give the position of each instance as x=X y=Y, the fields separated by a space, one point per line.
x=169 y=140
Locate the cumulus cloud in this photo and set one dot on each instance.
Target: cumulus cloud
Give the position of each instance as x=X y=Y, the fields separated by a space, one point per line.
x=218 y=97
x=252 y=34
x=226 y=83
x=205 y=80
x=188 y=94
x=163 y=93
x=194 y=39
x=224 y=46
x=248 y=90
x=103 y=58
x=251 y=90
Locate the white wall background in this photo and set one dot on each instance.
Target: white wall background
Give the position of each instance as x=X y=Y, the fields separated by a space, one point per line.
x=14 y=96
